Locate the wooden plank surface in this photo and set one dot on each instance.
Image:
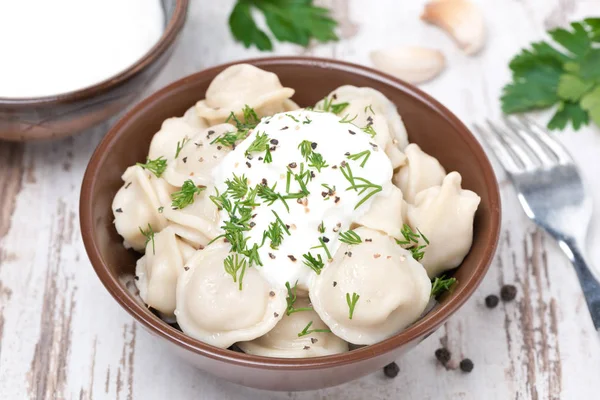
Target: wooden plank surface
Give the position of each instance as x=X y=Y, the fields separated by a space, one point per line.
x=62 y=336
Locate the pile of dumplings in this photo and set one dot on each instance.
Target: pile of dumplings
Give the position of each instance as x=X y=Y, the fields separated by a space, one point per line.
x=181 y=276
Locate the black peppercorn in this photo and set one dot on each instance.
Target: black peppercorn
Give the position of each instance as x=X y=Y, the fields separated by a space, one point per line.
x=466 y=365
x=391 y=370
x=491 y=301
x=443 y=355
x=508 y=292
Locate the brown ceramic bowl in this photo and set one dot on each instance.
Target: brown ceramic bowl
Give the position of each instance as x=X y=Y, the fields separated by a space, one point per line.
x=429 y=124
x=62 y=115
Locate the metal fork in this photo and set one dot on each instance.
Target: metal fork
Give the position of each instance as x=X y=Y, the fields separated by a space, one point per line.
x=550 y=190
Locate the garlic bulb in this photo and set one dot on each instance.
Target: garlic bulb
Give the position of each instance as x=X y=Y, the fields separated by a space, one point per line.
x=411 y=64
x=462 y=19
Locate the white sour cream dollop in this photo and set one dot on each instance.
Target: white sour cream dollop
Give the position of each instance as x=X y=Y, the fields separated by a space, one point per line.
x=334 y=140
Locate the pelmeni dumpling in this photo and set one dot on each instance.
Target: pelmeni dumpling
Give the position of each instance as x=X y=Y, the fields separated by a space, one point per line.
x=201 y=216
x=198 y=157
x=283 y=340
x=386 y=213
x=444 y=214
x=367 y=104
x=211 y=308
x=241 y=85
x=421 y=171
x=393 y=289
x=158 y=270
x=136 y=206
x=173 y=131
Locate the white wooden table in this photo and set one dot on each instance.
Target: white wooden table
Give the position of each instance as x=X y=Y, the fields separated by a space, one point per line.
x=63 y=336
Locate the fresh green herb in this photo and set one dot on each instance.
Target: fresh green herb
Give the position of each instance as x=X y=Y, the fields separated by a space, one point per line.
x=284 y=226
x=347 y=119
x=441 y=284
x=308 y=331
x=185 y=196
x=291 y=299
x=157 y=166
x=288 y=180
x=249 y=116
x=324 y=247
x=315 y=160
x=369 y=130
x=321 y=227
x=329 y=189
x=357 y=183
x=567 y=76
x=275 y=232
x=412 y=239
x=230 y=139
x=292 y=117
x=222 y=201
x=316 y=264
x=233 y=264
x=252 y=254
x=238 y=186
x=351 y=303
x=369 y=108
x=329 y=106
x=366 y=154
x=303 y=177
x=270 y=196
x=180 y=145
x=149 y=235
x=350 y=237
x=306 y=120
x=289 y=21
x=260 y=143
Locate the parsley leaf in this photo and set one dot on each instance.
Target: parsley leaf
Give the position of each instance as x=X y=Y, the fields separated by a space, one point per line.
x=294 y=21
x=565 y=74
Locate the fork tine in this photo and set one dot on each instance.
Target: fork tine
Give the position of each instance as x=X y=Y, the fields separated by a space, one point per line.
x=499 y=149
x=537 y=147
x=552 y=144
x=508 y=137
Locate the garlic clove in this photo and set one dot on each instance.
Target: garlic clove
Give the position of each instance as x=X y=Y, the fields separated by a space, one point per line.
x=462 y=19
x=411 y=64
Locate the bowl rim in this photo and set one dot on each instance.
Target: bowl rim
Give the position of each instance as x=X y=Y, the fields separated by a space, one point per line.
x=421 y=328
x=167 y=38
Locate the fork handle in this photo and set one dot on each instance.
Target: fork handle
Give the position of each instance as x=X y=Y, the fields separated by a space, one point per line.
x=588 y=281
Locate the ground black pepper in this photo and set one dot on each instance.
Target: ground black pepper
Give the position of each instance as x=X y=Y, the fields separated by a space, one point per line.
x=391 y=370
x=334 y=283
x=291 y=257
x=491 y=301
x=119 y=210
x=466 y=365
x=184 y=159
x=508 y=292
x=274 y=141
x=292 y=165
x=443 y=355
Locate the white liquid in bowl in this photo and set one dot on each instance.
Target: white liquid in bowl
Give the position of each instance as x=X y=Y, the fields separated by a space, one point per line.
x=53 y=47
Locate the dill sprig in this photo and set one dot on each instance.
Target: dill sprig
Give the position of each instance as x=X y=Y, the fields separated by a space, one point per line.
x=321 y=227
x=303 y=177
x=157 y=166
x=316 y=264
x=411 y=239
x=270 y=196
x=230 y=139
x=185 y=196
x=369 y=108
x=238 y=186
x=347 y=119
x=324 y=247
x=291 y=299
x=275 y=231
x=149 y=235
x=222 y=201
x=441 y=284
x=369 y=130
x=308 y=331
x=351 y=303
x=292 y=117
x=330 y=106
x=357 y=156
x=250 y=119
x=350 y=237
x=180 y=145
x=306 y=120
x=233 y=264
x=357 y=183
x=260 y=143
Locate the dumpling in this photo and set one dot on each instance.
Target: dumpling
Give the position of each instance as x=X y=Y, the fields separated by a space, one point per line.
x=158 y=270
x=136 y=206
x=421 y=171
x=241 y=85
x=444 y=214
x=377 y=283
x=283 y=340
x=211 y=308
x=386 y=213
x=173 y=131
x=198 y=157
x=201 y=216
x=371 y=107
